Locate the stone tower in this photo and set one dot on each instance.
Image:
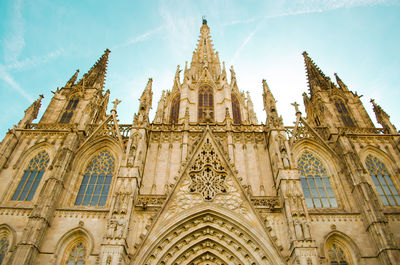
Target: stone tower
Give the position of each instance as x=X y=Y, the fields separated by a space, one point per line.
x=204 y=182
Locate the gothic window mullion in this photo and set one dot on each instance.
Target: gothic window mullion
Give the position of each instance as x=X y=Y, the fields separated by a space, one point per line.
x=384 y=184
x=29 y=181
x=96 y=181
x=315 y=183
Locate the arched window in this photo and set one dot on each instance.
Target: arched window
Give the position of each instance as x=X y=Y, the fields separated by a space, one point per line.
x=4 y=244
x=236 y=110
x=77 y=255
x=31 y=178
x=206 y=104
x=96 y=181
x=344 y=113
x=175 y=109
x=315 y=182
x=338 y=253
x=383 y=181
x=69 y=110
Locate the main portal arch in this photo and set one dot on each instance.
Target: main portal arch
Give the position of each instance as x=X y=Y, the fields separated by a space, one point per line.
x=208 y=235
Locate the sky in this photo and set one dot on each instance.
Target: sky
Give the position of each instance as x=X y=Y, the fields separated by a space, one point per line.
x=43 y=42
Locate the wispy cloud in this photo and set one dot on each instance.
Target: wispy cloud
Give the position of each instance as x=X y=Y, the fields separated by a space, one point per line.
x=309 y=7
x=6 y=77
x=139 y=38
x=301 y=9
x=14 y=41
x=35 y=60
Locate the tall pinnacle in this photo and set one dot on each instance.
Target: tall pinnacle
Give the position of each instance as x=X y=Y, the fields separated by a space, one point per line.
x=383 y=118
x=205 y=56
x=96 y=76
x=316 y=78
x=72 y=80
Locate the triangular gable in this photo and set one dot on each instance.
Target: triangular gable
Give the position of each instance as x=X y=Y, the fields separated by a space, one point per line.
x=206 y=182
x=109 y=127
x=207 y=78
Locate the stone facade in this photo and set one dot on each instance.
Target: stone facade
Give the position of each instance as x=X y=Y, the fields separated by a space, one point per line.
x=205 y=182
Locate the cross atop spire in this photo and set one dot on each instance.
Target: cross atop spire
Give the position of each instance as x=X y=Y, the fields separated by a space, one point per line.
x=205 y=56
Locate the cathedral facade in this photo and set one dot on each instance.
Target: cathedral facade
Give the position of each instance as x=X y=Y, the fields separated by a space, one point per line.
x=204 y=182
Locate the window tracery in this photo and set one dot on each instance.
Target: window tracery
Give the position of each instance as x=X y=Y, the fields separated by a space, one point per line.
x=96 y=181
x=69 y=110
x=315 y=182
x=77 y=255
x=207 y=174
x=337 y=256
x=383 y=181
x=206 y=104
x=344 y=113
x=236 y=110
x=30 y=179
x=175 y=109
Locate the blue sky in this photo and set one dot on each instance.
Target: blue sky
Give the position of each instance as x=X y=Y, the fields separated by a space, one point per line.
x=43 y=42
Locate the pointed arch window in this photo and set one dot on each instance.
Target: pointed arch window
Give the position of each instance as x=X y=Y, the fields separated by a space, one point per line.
x=344 y=113
x=236 y=110
x=96 y=181
x=30 y=179
x=4 y=244
x=175 y=109
x=338 y=254
x=315 y=182
x=383 y=181
x=77 y=255
x=206 y=104
x=69 y=110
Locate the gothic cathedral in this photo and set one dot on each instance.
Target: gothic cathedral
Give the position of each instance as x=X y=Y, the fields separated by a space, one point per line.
x=205 y=182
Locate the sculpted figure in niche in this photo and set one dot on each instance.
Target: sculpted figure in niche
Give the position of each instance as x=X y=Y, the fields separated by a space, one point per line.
x=306 y=230
x=112 y=224
x=120 y=229
x=284 y=155
x=298 y=230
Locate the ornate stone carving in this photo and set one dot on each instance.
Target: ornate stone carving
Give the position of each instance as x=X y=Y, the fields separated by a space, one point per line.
x=207 y=174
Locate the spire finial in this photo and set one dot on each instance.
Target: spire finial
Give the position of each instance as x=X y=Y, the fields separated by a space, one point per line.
x=204 y=20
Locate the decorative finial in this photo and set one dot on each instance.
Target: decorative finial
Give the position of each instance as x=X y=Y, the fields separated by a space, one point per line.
x=116 y=102
x=204 y=20
x=296 y=106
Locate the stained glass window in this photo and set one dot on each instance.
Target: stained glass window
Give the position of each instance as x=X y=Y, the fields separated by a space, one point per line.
x=31 y=178
x=96 y=181
x=344 y=113
x=3 y=248
x=206 y=103
x=383 y=181
x=315 y=182
x=69 y=110
x=175 y=109
x=77 y=255
x=236 y=110
x=337 y=256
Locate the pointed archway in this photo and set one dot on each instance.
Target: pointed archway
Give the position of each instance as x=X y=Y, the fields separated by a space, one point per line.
x=207 y=218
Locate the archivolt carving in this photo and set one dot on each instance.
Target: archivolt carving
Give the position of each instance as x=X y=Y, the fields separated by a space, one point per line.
x=206 y=234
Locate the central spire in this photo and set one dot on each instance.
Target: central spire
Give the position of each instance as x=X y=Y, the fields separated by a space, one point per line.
x=204 y=56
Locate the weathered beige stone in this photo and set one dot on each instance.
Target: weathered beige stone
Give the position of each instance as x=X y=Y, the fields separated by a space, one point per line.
x=188 y=188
